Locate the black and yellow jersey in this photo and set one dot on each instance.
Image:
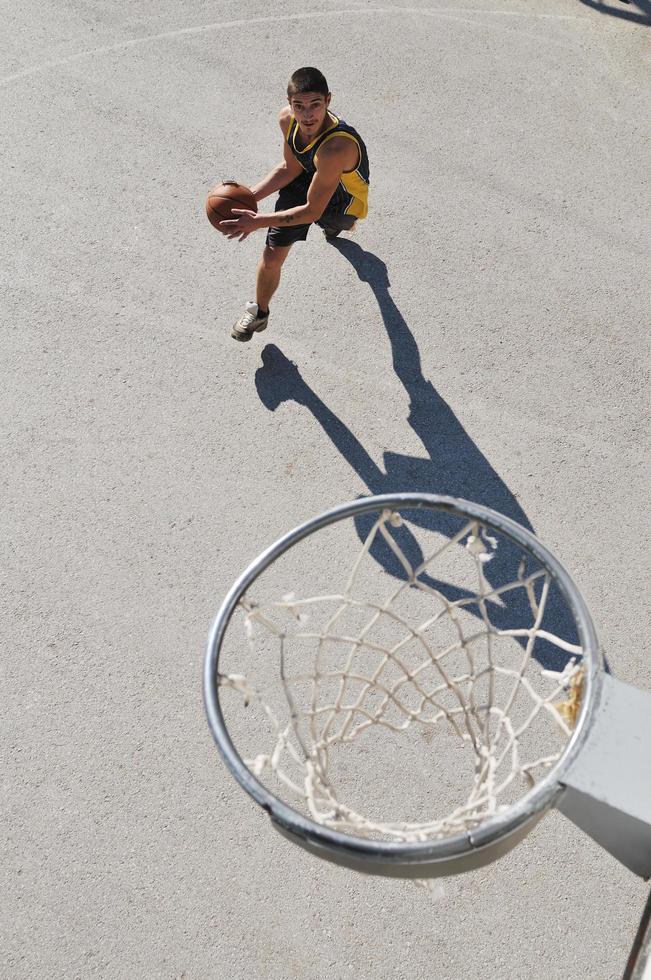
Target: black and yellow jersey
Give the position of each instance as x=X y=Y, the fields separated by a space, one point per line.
x=351 y=196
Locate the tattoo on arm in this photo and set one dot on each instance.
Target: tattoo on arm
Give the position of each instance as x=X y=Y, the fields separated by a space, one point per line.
x=287 y=220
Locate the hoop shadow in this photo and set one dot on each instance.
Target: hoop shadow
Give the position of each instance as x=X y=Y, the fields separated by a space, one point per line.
x=640 y=14
x=455 y=466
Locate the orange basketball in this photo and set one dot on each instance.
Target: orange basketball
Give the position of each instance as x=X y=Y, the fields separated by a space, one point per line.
x=226 y=196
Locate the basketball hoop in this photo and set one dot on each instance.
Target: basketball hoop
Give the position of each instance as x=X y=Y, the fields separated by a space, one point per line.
x=456 y=643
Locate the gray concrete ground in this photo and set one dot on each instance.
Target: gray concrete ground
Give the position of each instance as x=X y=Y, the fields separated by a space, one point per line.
x=142 y=469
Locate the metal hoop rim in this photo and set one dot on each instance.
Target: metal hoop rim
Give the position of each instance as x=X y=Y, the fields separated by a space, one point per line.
x=494 y=829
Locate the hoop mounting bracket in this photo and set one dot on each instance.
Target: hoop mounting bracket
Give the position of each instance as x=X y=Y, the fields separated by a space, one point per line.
x=608 y=785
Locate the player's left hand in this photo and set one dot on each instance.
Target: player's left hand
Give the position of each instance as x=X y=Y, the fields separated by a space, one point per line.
x=240 y=227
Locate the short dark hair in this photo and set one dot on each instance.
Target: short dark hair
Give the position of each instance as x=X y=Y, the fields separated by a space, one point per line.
x=307 y=80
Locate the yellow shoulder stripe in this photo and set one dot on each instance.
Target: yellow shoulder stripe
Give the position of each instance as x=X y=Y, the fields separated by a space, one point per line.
x=347 y=136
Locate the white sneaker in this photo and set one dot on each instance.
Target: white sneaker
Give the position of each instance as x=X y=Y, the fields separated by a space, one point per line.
x=249 y=323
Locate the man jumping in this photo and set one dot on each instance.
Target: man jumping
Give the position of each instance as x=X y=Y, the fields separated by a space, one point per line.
x=323 y=179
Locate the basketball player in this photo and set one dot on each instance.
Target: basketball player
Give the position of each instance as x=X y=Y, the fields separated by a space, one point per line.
x=322 y=179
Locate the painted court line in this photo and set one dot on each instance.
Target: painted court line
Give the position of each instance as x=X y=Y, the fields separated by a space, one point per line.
x=247 y=22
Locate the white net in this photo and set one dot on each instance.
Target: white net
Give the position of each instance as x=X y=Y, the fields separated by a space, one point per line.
x=460 y=666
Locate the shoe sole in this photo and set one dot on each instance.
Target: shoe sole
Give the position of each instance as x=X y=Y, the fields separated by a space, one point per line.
x=245 y=335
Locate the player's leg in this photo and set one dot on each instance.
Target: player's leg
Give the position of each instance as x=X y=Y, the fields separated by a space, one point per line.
x=256 y=315
x=279 y=242
x=333 y=223
x=269 y=270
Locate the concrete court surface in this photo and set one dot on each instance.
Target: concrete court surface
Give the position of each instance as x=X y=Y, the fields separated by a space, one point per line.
x=498 y=294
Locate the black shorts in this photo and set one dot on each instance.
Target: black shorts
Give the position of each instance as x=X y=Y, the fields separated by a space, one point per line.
x=292 y=196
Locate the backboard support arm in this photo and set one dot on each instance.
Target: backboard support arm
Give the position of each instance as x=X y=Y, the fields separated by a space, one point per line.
x=607 y=789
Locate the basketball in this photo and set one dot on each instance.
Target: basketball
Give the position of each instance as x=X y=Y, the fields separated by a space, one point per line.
x=226 y=196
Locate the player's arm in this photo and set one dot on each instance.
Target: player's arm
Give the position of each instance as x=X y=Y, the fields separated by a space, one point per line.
x=286 y=171
x=331 y=161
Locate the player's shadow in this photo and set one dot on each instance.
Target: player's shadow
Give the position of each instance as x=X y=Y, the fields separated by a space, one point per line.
x=455 y=465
